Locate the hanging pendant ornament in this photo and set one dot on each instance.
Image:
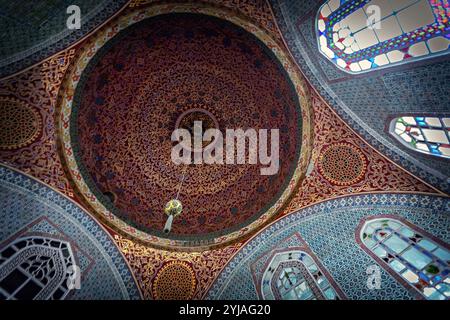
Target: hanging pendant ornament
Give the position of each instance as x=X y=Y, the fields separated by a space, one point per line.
x=174 y=207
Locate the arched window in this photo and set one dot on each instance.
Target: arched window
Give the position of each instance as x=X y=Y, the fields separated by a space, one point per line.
x=419 y=262
x=35 y=268
x=424 y=134
x=363 y=35
x=295 y=275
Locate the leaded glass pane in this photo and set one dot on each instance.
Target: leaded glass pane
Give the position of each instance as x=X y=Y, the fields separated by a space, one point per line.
x=416 y=258
x=35 y=268
x=396 y=243
x=397 y=265
x=426 y=244
x=295 y=275
x=442 y=254
x=424 y=134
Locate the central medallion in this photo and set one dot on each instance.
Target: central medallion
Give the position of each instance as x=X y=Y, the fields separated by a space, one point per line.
x=187 y=121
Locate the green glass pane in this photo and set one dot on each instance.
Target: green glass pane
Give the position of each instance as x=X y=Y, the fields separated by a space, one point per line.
x=442 y=254
x=432 y=269
x=307 y=260
x=303 y=292
x=416 y=258
x=323 y=283
x=444 y=288
x=330 y=294
x=397 y=265
x=396 y=244
x=394 y=225
x=289 y=295
x=369 y=242
x=266 y=289
x=428 y=245
x=369 y=230
x=379 y=251
x=285 y=283
x=406 y=232
x=312 y=268
x=376 y=224
x=293 y=279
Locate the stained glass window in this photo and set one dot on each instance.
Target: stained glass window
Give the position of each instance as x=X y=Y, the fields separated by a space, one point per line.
x=424 y=134
x=294 y=275
x=363 y=35
x=418 y=260
x=35 y=268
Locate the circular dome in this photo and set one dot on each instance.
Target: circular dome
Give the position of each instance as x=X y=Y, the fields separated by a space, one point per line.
x=163 y=73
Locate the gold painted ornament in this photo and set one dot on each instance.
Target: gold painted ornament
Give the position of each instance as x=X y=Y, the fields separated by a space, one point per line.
x=173 y=208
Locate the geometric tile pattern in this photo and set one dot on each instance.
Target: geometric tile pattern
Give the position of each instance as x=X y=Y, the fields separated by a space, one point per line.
x=31 y=32
x=20 y=124
x=147 y=262
x=37 y=89
x=342 y=164
x=31 y=209
x=329 y=229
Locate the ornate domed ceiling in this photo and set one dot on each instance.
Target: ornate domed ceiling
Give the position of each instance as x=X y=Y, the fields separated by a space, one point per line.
x=162 y=73
x=94 y=122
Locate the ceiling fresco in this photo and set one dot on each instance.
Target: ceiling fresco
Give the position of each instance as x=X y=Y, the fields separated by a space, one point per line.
x=191 y=63
x=87 y=126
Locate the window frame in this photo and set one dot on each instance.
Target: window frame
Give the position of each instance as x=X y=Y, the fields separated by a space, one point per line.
x=26 y=251
x=302 y=246
x=390 y=128
x=358 y=238
x=403 y=62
